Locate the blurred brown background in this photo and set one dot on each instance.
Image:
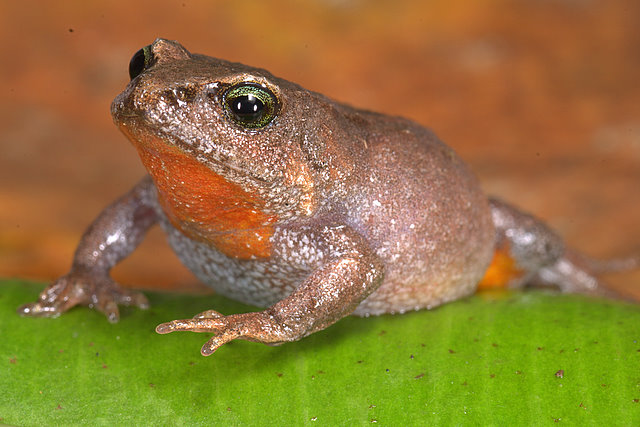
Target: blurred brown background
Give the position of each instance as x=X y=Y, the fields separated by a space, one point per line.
x=541 y=97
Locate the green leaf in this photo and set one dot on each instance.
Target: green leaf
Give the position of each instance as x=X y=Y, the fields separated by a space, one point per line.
x=489 y=359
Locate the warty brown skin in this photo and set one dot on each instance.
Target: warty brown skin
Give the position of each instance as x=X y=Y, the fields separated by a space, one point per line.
x=323 y=212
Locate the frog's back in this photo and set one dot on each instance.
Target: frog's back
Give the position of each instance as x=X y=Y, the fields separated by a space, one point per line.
x=424 y=213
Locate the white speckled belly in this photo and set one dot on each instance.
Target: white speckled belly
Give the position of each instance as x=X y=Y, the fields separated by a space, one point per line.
x=259 y=282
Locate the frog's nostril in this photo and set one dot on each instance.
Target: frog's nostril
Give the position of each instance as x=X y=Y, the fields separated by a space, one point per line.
x=184 y=93
x=140 y=61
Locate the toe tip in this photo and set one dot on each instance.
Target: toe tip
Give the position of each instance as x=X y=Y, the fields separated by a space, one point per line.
x=25 y=310
x=163 y=328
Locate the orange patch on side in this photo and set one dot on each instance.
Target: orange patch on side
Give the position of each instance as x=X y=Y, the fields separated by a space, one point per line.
x=502 y=270
x=204 y=205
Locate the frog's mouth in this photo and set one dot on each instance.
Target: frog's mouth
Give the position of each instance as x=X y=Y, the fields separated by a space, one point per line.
x=127 y=116
x=201 y=203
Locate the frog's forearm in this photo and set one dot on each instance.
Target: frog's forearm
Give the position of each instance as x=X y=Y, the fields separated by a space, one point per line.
x=352 y=272
x=111 y=237
x=117 y=231
x=329 y=294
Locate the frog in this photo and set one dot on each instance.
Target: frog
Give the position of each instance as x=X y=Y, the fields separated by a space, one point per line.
x=282 y=198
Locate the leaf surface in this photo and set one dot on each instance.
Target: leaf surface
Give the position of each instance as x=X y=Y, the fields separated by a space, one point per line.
x=517 y=358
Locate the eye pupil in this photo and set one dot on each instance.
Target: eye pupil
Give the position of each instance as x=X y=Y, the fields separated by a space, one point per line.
x=250 y=105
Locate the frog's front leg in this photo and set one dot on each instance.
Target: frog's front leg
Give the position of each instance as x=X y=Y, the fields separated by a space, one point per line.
x=111 y=237
x=350 y=273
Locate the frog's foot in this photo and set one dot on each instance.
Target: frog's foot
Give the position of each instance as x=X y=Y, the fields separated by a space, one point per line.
x=257 y=327
x=81 y=288
x=577 y=273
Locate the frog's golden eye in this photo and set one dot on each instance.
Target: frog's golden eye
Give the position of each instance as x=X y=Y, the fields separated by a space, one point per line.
x=140 y=61
x=250 y=105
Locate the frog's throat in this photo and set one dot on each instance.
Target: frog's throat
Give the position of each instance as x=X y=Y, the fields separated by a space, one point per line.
x=202 y=204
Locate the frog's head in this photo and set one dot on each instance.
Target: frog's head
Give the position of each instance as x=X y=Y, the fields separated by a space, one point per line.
x=221 y=138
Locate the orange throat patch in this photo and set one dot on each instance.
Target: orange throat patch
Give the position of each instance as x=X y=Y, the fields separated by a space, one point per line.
x=202 y=204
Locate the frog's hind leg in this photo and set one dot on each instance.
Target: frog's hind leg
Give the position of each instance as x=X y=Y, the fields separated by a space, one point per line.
x=575 y=272
x=528 y=252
